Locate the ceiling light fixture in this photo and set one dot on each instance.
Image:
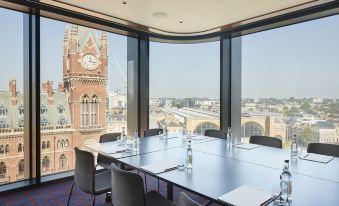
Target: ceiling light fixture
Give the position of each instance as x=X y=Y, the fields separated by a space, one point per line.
x=159 y=14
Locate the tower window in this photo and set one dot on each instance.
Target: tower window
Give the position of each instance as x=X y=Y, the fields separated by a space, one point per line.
x=3 y=110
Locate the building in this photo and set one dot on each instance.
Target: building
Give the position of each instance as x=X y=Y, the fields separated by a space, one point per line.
x=71 y=115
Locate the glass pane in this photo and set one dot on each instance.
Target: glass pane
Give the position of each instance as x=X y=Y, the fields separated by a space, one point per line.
x=185 y=86
x=83 y=90
x=289 y=82
x=11 y=98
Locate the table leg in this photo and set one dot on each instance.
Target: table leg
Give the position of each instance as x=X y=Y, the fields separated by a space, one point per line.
x=169 y=191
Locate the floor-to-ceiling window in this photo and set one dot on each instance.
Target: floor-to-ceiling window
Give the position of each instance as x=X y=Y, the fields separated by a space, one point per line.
x=185 y=86
x=83 y=90
x=290 y=82
x=11 y=98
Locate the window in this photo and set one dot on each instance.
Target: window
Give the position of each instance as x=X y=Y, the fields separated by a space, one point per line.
x=21 y=167
x=3 y=123
x=2 y=149
x=21 y=123
x=48 y=144
x=185 y=91
x=289 y=82
x=45 y=164
x=3 y=170
x=43 y=110
x=78 y=93
x=20 y=148
x=7 y=149
x=63 y=161
x=43 y=145
x=3 y=110
x=44 y=122
x=62 y=121
x=21 y=110
x=61 y=109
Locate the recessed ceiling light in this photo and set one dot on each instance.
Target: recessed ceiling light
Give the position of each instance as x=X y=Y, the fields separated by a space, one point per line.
x=159 y=14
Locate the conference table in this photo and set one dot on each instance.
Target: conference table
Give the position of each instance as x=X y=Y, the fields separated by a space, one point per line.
x=219 y=169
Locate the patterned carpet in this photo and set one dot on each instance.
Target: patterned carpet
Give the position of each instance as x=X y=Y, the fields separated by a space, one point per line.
x=56 y=194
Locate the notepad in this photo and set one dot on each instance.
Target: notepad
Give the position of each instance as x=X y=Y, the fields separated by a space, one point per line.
x=159 y=168
x=248 y=146
x=318 y=158
x=247 y=196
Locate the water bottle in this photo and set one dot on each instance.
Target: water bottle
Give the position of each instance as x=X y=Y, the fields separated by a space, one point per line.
x=136 y=141
x=165 y=131
x=294 y=148
x=184 y=130
x=286 y=183
x=229 y=137
x=189 y=156
x=123 y=138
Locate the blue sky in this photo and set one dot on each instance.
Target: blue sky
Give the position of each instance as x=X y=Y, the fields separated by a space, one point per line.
x=299 y=60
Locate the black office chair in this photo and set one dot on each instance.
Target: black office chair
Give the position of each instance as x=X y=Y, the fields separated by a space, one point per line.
x=216 y=133
x=86 y=178
x=105 y=161
x=152 y=132
x=323 y=149
x=129 y=190
x=185 y=200
x=266 y=141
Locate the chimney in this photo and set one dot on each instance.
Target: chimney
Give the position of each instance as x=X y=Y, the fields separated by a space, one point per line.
x=13 y=93
x=49 y=87
x=61 y=87
x=44 y=87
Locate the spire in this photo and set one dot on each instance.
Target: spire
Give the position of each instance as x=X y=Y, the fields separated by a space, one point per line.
x=73 y=39
x=104 y=44
x=66 y=39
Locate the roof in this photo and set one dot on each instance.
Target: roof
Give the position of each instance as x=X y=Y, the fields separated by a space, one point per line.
x=12 y=117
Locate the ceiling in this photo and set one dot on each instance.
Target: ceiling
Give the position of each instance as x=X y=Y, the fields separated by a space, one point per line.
x=185 y=16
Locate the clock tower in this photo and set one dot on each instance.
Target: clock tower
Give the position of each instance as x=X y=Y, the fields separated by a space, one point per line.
x=85 y=64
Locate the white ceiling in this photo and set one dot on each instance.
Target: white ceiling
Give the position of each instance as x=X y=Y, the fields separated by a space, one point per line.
x=196 y=15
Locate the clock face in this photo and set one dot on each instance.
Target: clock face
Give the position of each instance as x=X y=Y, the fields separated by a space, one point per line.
x=89 y=61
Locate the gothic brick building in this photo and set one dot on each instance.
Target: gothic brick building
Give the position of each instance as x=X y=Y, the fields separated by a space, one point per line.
x=71 y=115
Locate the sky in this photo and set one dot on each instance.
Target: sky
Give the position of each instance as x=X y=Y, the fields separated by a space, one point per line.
x=299 y=60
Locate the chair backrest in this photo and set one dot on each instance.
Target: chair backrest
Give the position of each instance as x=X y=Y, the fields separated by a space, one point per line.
x=216 y=133
x=266 y=141
x=127 y=188
x=323 y=149
x=185 y=200
x=152 y=132
x=84 y=170
x=109 y=137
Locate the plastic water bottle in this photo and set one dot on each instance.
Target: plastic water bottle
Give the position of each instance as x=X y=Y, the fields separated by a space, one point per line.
x=294 y=148
x=286 y=183
x=165 y=131
x=189 y=156
x=229 y=137
x=136 y=141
